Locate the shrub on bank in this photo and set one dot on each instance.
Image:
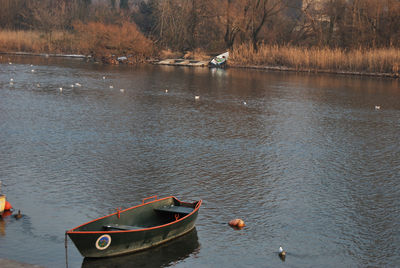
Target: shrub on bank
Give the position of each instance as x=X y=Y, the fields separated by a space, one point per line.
x=101 y=40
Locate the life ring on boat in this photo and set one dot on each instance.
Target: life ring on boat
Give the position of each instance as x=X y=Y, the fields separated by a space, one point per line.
x=103 y=242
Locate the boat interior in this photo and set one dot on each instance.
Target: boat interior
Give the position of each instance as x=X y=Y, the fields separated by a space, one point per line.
x=147 y=215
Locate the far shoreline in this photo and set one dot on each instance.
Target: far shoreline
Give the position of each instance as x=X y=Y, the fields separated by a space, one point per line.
x=235 y=66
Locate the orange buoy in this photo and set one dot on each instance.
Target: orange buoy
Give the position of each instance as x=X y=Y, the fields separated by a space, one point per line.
x=237 y=223
x=5 y=214
x=7 y=206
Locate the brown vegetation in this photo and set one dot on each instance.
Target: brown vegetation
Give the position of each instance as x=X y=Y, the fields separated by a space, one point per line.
x=383 y=60
x=361 y=35
x=102 y=40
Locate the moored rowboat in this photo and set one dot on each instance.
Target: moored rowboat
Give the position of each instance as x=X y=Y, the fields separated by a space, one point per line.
x=136 y=228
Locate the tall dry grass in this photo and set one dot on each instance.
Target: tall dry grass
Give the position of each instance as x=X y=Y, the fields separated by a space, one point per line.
x=382 y=60
x=37 y=42
x=93 y=38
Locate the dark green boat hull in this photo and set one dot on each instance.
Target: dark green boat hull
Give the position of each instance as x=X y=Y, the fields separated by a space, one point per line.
x=150 y=227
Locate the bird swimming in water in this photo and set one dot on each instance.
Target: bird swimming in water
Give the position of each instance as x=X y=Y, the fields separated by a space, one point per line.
x=377 y=107
x=282 y=253
x=19 y=215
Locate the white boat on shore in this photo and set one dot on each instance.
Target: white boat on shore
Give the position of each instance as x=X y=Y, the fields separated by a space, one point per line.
x=220 y=60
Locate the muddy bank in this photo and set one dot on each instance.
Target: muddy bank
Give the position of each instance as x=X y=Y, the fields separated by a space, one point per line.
x=115 y=60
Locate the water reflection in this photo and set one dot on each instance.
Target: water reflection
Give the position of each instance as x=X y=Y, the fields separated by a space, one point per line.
x=164 y=255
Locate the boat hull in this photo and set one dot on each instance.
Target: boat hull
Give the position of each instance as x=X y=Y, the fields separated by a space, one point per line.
x=112 y=243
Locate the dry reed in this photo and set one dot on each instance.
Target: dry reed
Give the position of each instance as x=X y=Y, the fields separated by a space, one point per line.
x=380 y=60
x=37 y=42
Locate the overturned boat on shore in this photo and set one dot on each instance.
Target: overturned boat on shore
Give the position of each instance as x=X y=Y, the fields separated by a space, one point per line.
x=220 y=60
x=137 y=228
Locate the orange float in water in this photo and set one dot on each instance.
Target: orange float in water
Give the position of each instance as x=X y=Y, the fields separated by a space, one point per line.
x=5 y=214
x=7 y=206
x=237 y=223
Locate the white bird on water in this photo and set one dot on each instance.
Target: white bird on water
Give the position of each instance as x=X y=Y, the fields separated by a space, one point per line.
x=32 y=70
x=377 y=107
x=12 y=80
x=166 y=91
x=196 y=97
x=104 y=77
x=111 y=87
x=77 y=84
x=282 y=253
x=61 y=89
x=122 y=90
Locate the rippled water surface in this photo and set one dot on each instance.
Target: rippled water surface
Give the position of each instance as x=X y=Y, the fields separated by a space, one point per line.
x=306 y=160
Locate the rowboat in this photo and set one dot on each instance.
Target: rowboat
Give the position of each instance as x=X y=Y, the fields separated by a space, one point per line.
x=220 y=60
x=137 y=228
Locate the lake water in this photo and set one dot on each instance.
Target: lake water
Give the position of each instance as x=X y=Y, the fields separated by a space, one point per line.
x=305 y=160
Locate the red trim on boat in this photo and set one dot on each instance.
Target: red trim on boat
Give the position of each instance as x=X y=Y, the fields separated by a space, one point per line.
x=138 y=230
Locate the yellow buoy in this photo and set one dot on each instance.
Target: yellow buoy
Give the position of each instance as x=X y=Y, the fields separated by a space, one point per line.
x=2 y=203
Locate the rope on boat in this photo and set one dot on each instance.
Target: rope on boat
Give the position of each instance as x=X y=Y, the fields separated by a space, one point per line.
x=66 y=250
